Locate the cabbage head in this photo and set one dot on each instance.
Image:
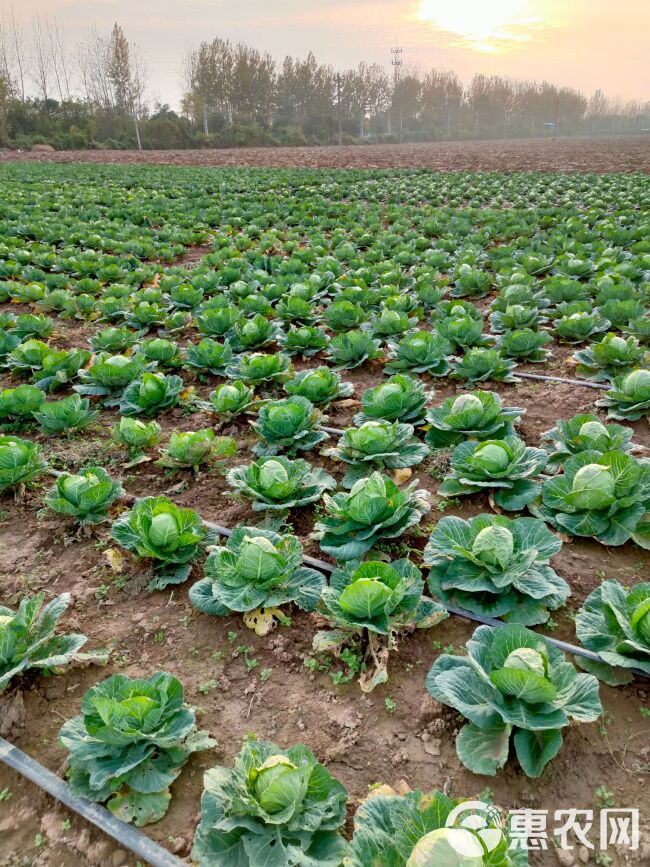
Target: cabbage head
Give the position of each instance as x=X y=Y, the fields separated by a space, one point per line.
x=496 y=567
x=152 y=394
x=512 y=683
x=376 y=445
x=420 y=352
x=410 y=830
x=629 y=397
x=320 y=385
x=584 y=432
x=475 y=415
x=288 y=425
x=171 y=536
x=276 y=800
x=602 y=495
x=400 y=397
x=21 y=461
x=508 y=468
x=256 y=569
x=612 y=356
x=374 y=509
x=191 y=449
x=278 y=483
x=85 y=496
x=373 y=602
x=130 y=743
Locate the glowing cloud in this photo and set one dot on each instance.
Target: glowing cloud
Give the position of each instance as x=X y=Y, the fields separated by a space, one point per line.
x=485 y=25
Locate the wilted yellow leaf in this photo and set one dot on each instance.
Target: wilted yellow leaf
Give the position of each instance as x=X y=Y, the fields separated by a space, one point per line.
x=115 y=559
x=262 y=620
x=401 y=476
x=402 y=787
x=377 y=791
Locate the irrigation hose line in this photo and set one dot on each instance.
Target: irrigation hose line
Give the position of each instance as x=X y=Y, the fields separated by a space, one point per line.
x=323 y=566
x=126 y=835
x=457 y=612
x=562 y=379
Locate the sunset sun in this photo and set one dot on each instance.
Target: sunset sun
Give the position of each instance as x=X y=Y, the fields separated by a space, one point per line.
x=485 y=26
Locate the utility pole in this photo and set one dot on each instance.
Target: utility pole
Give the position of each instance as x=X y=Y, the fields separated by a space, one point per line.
x=396 y=62
x=557 y=111
x=338 y=95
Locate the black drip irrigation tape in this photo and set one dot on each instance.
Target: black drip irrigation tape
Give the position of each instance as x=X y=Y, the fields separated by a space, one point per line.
x=323 y=566
x=127 y=836
x=541 y=378
x=561 y=645
x=456 y=612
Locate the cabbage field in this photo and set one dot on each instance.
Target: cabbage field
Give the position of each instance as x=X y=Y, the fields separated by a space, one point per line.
x=308 y=478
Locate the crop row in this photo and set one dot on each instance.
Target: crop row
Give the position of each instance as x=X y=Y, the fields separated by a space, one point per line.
x=286 y=301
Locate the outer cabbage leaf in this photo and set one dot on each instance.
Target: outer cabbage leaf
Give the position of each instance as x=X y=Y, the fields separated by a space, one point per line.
x=512 y=682
x=28 y=638
x=256 y=569
x=130 y=743
x=615 y=624
x=240 y=825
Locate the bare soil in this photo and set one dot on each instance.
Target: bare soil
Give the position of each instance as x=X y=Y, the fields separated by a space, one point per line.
x=361 y=741
x=615 y=154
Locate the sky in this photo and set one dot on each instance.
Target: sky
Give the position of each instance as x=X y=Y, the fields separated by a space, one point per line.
x=581 y=43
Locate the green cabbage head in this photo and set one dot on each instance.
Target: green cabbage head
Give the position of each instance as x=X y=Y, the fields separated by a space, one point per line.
x=494 y=546
x=155 y=528
x=512 y=685
x=593 y=487
x=492 y=457
x=272 y=800
x=20 y=461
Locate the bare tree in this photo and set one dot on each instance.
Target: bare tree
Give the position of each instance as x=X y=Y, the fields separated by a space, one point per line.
x=58 y=59
x=211 y=80
x=597 y=109
x=41 y=58
x=13 y=58
x=93 y=63
x=6 y=65
x=138 y=85
x=4 y=98
x=188 y=77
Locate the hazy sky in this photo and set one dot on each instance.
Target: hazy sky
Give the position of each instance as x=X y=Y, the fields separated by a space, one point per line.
x=584 y=43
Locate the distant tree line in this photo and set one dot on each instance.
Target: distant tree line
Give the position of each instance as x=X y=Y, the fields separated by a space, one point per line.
x=96 y=95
